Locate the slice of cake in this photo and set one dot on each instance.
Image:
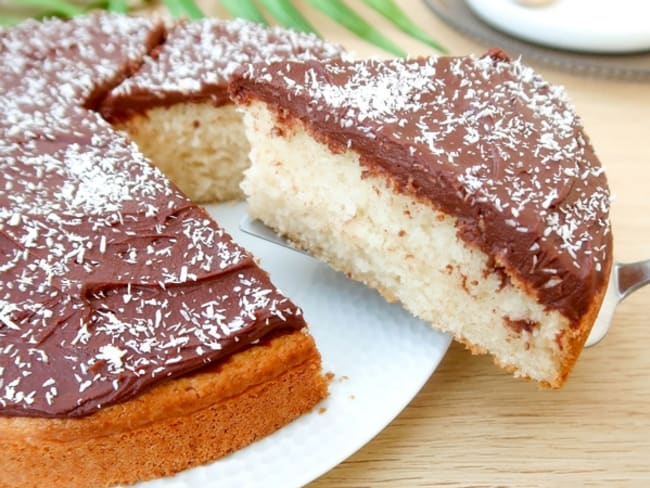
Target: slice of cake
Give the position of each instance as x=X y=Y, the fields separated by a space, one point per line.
x=177 y=108
x=463 y=187
x=136 y=338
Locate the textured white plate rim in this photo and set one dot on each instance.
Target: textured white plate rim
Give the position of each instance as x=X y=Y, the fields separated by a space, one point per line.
x=380 y=381
x=597 y=26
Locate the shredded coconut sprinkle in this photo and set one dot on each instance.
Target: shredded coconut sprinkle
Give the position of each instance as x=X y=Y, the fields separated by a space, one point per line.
x=109 y=278
x=502 y=148
x=208 y=52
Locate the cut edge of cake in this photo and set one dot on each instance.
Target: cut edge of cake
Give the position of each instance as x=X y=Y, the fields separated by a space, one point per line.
x=201 y=148
x=184 y=121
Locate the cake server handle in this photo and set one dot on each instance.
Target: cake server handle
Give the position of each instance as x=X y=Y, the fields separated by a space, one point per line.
x=625 y=279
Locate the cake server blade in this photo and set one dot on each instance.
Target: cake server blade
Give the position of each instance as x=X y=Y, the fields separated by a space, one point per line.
x=625 y=278
x=256 y=228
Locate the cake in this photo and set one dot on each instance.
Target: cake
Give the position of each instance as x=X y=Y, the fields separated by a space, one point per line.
x=136 y=338
x=463 y=187
x=177 y=109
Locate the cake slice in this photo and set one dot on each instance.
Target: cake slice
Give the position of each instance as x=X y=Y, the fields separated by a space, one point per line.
x=136 y=338
x=177 y=109
x=463 y=187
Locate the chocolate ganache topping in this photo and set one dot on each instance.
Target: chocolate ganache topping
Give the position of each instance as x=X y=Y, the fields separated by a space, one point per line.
x=110 y=279
x=198 y=58
x=486 y=140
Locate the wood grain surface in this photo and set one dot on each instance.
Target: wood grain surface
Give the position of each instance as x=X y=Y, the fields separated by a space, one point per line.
x=473 y=425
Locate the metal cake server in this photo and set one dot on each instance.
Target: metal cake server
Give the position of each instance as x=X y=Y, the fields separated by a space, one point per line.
x=623 y=281
x=625 y=278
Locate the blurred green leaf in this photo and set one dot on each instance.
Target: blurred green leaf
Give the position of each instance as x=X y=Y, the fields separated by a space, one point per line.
x=6 y=20
x=244 y=9
x=283 y=11
x=286 y=14
x=192 y=9
x=184 y=8
x=390 y=10
x=120 y=6
x=348 y=18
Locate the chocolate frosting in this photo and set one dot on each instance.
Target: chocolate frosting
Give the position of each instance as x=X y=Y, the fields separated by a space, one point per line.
x=486 y=140
x=111 y=280
x=198 y=58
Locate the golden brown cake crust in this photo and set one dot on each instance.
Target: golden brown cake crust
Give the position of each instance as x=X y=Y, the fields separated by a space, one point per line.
x=174 y=426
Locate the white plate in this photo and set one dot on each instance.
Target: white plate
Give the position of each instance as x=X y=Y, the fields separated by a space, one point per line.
x=381 y=357
x=597 y=26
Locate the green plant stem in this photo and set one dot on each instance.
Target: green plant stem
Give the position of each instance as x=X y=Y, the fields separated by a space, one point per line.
x=287 y=15
x=390 y=10
x=348 y=18
x=244 y=9
x=184 y=8
x=120 y=6
x=7 y=20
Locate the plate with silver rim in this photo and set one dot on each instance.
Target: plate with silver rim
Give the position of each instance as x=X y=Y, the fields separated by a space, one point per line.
x=592 y=26
x=380 y=356
x=458 y=14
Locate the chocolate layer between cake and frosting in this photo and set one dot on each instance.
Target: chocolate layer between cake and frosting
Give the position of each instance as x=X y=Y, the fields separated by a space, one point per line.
x=111 y=280
x=484 y=139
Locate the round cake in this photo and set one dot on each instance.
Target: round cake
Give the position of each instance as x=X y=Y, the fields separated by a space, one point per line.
x=137 y=336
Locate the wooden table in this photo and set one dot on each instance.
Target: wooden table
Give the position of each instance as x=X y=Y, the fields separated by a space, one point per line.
x=472 y=424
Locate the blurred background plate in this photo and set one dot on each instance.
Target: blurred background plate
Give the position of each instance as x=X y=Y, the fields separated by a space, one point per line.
x=459 y=15
x=595 y=26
